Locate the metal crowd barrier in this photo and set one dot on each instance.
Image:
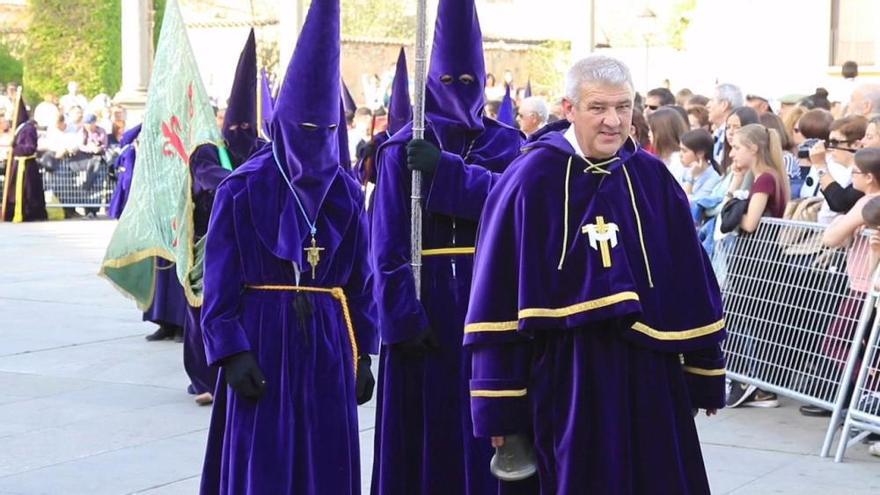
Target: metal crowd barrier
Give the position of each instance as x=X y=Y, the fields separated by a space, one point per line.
x=864 y=407
x=78 y=182
x=796 y=313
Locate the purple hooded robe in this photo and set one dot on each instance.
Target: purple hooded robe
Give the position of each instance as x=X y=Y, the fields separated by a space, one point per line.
x=595 y=322
x=301 y=437
x=24 y=148
x=423 y=441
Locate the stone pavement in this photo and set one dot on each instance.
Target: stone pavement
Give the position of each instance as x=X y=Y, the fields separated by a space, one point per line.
x=87 y=406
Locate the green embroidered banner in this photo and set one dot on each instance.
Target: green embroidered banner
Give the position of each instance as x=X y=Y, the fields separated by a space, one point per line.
x=158 y=218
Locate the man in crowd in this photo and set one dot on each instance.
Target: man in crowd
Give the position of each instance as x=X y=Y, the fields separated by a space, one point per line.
x=759 y=104
x=532 y=115
x=865 y=100
x=73 y=98
x=656 y=98
x=726 y=98
x=573 y=342
x=423 y=439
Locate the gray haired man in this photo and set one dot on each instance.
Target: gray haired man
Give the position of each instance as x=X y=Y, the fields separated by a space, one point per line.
x=576 y=328
x=726 y=98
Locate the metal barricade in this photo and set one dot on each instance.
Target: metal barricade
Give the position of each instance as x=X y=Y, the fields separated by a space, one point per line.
x=78 y=182
x=796 y=312
x=864 y=407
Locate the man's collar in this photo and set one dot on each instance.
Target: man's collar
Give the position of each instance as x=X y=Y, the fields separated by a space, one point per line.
x=571 y=137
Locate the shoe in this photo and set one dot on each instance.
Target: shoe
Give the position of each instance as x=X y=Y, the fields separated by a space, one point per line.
x=761 y=399
x=204 y=399
x=161 y=333
x=739 y=393
x=178 y=335
x=874 y=449
x=814 y=411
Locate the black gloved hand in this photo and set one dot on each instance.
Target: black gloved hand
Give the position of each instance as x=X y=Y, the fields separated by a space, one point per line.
x=243 y=374
x=363 y=388
x=419 y=345
x=422 y=155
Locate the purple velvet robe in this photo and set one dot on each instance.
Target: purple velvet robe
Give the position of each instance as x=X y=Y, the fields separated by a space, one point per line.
x=207 y=174
x=423 y=441
x=302 y=435
x=33 y=200
x=595 y=322
x=124 y=173
x=169 y=302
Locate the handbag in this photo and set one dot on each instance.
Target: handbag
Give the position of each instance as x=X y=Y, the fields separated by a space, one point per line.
x=732 y=214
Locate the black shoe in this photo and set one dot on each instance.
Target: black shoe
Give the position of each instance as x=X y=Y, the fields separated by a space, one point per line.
x=161 y=333
x=814 y=411
x=178 y=335
x=739 y=393
x=761 y=399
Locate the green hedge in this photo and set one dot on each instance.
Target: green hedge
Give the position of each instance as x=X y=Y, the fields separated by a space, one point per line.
x=73 y=40
x=10 y=67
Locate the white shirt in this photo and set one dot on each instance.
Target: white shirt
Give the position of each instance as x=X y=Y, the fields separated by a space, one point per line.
x=572 y=139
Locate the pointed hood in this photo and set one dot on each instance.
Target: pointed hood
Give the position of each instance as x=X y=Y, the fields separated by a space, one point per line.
x=21 y=114
x=506 y=112
x=400 y=108
x=348 y=103
x=304 y=127
x=130 y=135
x=266 y=105
x=240 y=123
x=528 y=91
x=457 y=75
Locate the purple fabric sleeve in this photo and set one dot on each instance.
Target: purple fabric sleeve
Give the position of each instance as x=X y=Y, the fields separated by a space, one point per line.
x=223 y=332
x=704 y=375
x=499 y=388
x=359 y=291
x=401 y=315
x=459 y=189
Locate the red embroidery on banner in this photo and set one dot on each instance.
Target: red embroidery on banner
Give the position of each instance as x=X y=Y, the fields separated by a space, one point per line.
x=173 y=142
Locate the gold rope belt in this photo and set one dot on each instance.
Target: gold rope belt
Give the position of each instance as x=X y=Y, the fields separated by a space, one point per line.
x=448 y=251
x=337 y=294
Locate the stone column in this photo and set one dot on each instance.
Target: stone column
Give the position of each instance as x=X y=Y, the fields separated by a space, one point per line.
x=583 y=41
x=291 y=16
x=137 y=58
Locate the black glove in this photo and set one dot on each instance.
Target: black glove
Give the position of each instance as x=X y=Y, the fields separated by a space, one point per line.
x=420 y=344
x=422 y=155
x=243 y=374
x=363 y=388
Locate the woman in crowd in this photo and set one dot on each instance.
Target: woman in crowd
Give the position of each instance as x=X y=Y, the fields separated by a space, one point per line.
x=698 y=117
x=792 y=167
x=701 y=175
x=847 y=230
x=759 y=150
x=738 y=118
x=872 y=134
x=667 y=126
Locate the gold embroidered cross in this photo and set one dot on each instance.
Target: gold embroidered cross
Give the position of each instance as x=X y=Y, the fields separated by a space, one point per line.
x=603 y=237
x=313 y=256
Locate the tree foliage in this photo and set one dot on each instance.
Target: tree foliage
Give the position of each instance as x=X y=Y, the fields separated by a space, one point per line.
x=73 y=40
x=377 y=19
x=10 y=66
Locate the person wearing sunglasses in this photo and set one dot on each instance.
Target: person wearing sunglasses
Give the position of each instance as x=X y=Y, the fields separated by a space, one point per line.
x=832 y=162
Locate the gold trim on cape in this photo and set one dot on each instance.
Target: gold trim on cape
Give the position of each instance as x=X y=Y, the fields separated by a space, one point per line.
x=578 y=308
x=679 y=335
x=703 y=371
x=492 y=326
x=499 y=393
